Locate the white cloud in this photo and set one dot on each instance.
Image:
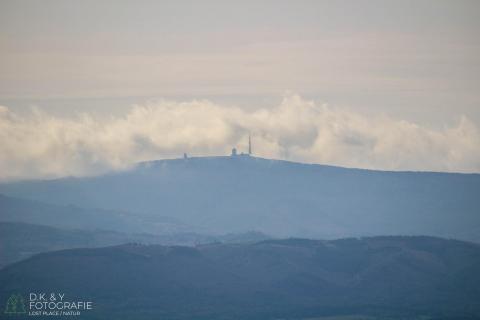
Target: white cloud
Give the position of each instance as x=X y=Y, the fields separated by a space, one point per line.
x=42 y=145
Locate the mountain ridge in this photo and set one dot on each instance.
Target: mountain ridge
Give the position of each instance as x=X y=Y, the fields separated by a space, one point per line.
x=257 y=158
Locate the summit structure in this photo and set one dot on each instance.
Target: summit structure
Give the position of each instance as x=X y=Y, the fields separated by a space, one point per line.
x=249 y=153
x=249 y=145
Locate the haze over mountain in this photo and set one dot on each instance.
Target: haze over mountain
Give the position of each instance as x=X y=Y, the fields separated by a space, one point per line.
x=381 y=277
x=22 y=240
x=237 y=194
x=29 y=227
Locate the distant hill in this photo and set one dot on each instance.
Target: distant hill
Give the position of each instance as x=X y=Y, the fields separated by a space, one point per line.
x=381 y=277
x=237 y=194
x=22 y=240
x=19 y=240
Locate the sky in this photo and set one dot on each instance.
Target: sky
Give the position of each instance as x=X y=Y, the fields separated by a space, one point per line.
x=87 y=86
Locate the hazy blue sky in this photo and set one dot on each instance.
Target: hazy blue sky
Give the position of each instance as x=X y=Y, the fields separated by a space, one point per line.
x=411 y=61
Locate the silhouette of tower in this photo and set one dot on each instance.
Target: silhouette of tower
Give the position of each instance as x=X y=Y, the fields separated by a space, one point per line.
x=249 y=145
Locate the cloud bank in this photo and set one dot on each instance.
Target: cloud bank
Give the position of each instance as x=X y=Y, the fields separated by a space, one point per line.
x=41 y=145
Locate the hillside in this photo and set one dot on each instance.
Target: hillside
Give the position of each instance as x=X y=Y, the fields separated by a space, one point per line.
x=76 y=217
x=382 y=277
x=236 y=194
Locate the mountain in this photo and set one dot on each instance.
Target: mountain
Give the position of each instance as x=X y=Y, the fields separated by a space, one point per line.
x=236 y=194
x=379 y=277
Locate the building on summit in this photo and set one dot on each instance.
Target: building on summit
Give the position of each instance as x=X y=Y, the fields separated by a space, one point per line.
x=234 y=150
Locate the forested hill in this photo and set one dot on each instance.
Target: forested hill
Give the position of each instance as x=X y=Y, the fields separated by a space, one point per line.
x=381 y=277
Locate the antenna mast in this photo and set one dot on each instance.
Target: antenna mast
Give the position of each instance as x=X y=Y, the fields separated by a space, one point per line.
x=249 y=144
